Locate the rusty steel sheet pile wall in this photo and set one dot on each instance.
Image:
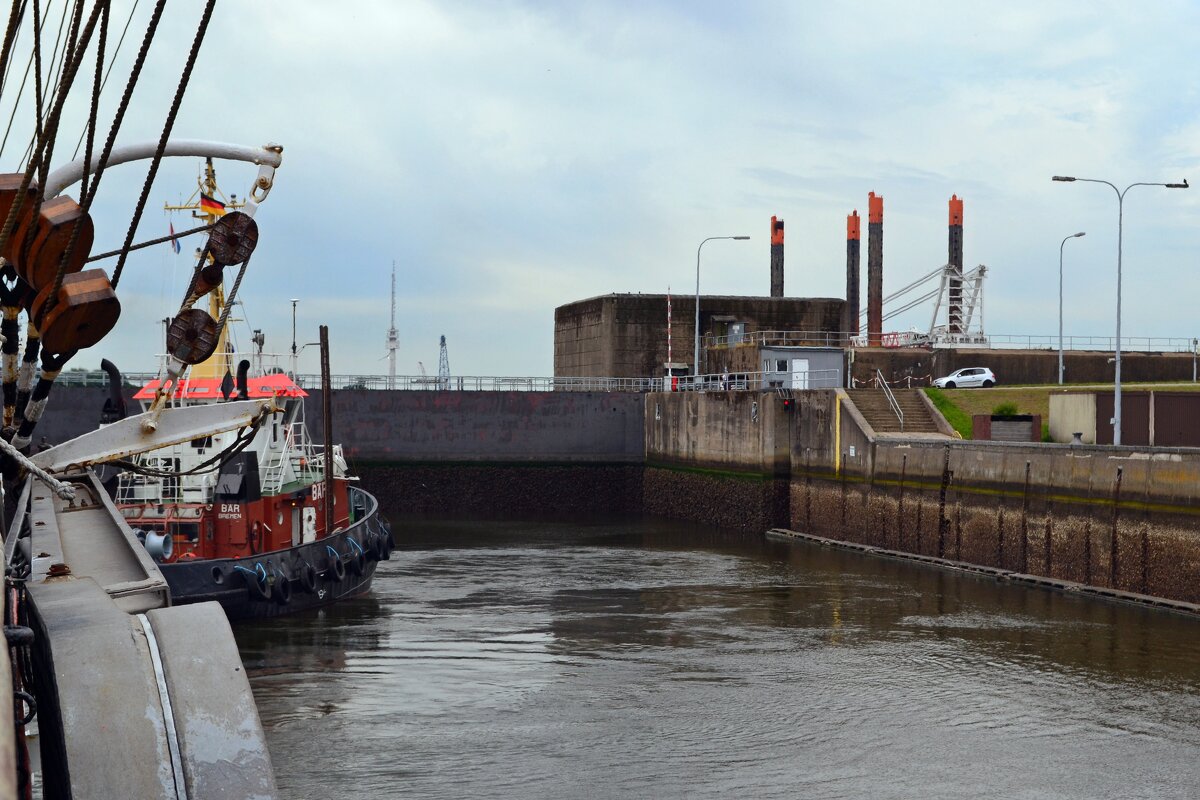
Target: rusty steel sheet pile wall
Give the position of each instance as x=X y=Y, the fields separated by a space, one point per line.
x=1120 y=520
x=718 y=457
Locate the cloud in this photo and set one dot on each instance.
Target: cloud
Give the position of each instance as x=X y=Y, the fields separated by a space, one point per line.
x=515 y=156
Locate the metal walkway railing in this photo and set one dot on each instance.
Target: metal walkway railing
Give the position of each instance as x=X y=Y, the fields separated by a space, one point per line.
x=881 y=383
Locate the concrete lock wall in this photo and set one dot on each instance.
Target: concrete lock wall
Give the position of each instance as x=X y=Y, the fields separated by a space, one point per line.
x=1122 y=520
x=721 y=458
x=492 y=453
x=566 y=427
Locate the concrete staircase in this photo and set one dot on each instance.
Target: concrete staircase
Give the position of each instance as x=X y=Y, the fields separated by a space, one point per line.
x=874 y=406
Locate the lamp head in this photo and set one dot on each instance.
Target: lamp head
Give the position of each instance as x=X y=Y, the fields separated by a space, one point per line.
x=1081 y=233
x=740 y=237
x=1183 y=185
x=1062 y=178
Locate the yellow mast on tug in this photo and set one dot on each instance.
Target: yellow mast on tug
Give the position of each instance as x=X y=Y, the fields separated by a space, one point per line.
x=209 y=204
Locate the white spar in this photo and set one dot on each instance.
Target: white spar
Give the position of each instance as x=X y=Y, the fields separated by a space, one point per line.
x=268 y=157
x=129 y=436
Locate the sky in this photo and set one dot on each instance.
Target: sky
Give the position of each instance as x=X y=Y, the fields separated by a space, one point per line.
x=511 y=157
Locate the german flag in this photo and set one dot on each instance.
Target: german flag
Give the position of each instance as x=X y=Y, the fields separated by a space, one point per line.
x=211 y=205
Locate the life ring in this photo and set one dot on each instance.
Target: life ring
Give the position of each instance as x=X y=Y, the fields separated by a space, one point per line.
x=336 y=568
x=358 y=562
x=282 y=592
x=258 y=588
x=308 y=578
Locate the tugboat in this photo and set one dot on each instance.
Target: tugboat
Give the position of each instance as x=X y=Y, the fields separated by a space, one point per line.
x=263 y=521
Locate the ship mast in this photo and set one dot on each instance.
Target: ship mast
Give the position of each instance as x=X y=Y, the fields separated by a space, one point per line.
x=207 y=204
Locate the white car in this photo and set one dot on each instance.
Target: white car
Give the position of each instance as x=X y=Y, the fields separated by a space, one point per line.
x=966 y=378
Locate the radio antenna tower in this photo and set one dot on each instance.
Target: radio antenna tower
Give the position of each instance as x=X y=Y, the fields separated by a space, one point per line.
x=393 y=336
x=443 y=366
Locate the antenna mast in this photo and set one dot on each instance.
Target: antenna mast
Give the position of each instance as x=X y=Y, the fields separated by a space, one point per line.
x=393 y=336
x=443 y=366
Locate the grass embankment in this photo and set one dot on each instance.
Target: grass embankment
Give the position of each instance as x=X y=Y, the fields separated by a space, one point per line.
x=959 y=405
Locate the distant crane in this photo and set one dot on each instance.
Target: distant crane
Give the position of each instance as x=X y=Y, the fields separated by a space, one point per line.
x=443 y=366
x=393 y=336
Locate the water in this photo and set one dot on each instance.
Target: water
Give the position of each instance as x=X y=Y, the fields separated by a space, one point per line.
x=648 y=659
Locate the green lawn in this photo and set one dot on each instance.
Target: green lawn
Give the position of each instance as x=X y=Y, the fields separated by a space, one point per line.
x=959 y=405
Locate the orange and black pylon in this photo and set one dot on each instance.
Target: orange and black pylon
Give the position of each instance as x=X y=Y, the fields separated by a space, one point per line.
x=955 y=260
x=874 y=270
x=776 y=257
x=853 y=266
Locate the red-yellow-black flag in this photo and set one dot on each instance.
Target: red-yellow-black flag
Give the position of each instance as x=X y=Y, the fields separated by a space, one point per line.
x=211 y=205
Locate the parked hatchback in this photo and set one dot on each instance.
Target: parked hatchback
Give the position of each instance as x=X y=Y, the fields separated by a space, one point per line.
x=966 y=378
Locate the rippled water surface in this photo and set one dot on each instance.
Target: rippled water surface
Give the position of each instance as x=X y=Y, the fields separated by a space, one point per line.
x=649 y=659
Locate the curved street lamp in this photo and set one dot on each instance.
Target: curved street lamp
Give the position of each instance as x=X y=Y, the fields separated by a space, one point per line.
x=1116 y=420
x=696 y=351
x=1060 y=302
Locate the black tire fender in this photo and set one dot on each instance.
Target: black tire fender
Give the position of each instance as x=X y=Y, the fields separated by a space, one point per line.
x=336 y=568
x=358 y=562
x=282 y=591
x=308 y=578
x=258 y=587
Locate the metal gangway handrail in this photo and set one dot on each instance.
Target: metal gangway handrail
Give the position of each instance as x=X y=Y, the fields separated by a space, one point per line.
x=758 y=381
x=887 y=391
x=780 y=338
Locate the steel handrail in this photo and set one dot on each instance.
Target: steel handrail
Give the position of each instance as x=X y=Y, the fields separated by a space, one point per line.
x=887 y=391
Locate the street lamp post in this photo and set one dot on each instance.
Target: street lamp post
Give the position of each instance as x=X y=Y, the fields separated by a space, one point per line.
x=1116 y=420
x=295 y=300
x=1060 y=302
x=696 y=351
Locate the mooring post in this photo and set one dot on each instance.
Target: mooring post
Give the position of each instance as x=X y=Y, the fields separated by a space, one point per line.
x=1114 y=548
x=942 y=521
x=1024 y=554
x=900 y=505
x=327 y=414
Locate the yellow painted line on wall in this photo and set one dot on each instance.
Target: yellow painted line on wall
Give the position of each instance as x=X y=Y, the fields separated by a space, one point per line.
x=837 y=435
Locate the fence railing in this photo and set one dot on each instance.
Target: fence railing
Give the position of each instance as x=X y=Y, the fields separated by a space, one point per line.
x=759 y=381
x=1000 y=341
x=781 y=339
x=881 y=382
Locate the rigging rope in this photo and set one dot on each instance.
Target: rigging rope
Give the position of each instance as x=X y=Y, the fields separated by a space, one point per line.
x=53 y=58
x=151 y=242
x=108 y=72
x=55 y=115
x=244 y=437
x=91 y=124
x=134 y=73
x=64 y=490
x=232 y=296
x=20 y=91
x=10 y=37
x=162 y=142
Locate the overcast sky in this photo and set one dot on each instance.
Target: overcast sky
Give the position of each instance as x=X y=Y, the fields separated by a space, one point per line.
x=513 y=157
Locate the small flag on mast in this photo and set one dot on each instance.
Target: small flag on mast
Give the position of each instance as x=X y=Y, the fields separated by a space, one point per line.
x=211 y=205
x=174 y=242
